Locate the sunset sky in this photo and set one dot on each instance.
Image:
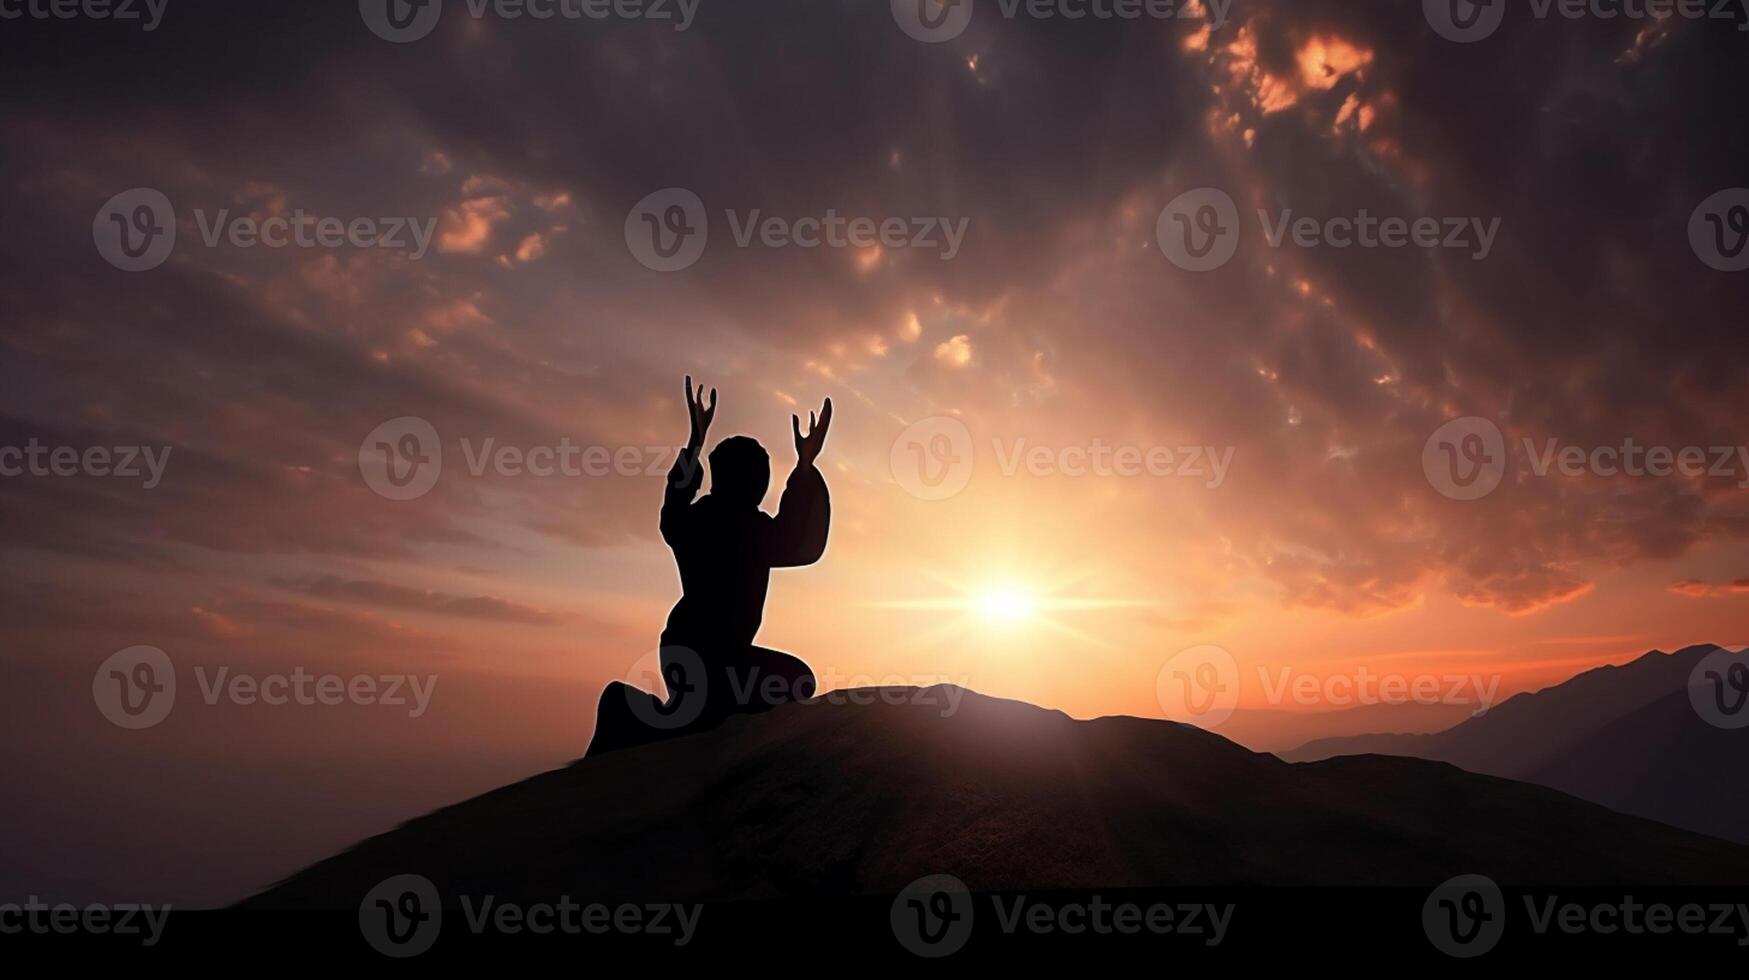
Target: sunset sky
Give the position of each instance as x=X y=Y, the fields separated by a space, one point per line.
x=1059 y=323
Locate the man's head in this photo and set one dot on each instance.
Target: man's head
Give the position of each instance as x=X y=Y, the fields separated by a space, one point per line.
x=740 y=471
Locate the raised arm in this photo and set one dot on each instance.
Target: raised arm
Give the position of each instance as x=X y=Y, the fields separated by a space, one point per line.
x=804 y=514
x=687 y=473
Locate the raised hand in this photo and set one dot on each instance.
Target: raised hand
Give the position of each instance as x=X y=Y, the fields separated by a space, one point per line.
x=808 y=447
x=699 y=415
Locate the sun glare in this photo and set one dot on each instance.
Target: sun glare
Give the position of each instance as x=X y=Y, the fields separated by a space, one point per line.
x=1006 y=606
x=1012 y=606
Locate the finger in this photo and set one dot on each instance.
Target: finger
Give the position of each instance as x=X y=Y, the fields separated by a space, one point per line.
x=796 y=424
x=813 y=423
x=826 y=414
x=713 y=399
x=689 y=389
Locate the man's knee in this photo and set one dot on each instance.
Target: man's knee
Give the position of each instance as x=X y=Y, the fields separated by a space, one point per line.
x=799 y=677
x=779 y=678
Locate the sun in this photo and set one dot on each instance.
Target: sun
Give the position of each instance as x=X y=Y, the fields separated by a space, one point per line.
x=1010 y=606
x=1005 y=605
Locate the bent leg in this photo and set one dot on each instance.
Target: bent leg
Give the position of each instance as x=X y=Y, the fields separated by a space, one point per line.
x=791 y=678
x=619 y=719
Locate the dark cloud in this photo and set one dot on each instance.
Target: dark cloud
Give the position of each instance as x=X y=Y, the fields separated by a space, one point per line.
x=1591 y=321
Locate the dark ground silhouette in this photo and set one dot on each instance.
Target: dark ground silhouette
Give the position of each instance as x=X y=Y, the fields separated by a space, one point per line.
x=1628 y=737
x=862 y=792
x=725 y=547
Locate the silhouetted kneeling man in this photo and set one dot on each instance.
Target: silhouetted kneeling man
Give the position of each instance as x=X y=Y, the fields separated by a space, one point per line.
x=726 y=548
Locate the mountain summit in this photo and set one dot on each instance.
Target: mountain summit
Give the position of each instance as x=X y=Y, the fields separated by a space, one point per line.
x=862 y=792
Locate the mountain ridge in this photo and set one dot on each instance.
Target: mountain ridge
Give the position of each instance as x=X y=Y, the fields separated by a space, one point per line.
x=1625 y=736
x=829 y=799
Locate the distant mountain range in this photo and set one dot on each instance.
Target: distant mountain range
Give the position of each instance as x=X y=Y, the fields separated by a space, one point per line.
x=1275 y=730
x=1628 y=737
x=848 y=799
